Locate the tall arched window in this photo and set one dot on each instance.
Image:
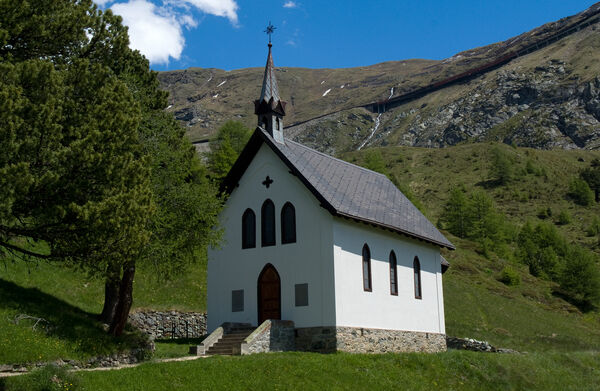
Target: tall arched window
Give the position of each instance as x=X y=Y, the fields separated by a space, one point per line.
x=417 y=276
x=248 y=229
x=366 y=266
x=288 y=223
x=393 y=274
x=267 y=223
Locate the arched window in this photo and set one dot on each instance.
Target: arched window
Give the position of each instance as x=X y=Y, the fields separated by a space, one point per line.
x=417 y=273
x=366 y=266
x=278 y=124
x=393 y=274
x=288 y=223
x=267 y=223
x=248 y=229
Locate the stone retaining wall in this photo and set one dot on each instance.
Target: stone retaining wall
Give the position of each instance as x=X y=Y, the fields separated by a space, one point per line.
x=270 y=336
x=363 y=340
x=170 y=324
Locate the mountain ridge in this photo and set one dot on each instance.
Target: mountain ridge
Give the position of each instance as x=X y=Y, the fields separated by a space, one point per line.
x=329 y=104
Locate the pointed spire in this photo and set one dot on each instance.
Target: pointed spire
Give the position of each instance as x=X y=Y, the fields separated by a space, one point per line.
x=269 y=108
x=269 y=86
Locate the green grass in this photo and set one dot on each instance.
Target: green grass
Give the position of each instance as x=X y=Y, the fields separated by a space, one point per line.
x=453 y=370
x=169 y=348
x=69 y=301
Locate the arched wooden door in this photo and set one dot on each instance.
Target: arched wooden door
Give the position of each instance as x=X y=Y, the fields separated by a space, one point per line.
x=269 y=294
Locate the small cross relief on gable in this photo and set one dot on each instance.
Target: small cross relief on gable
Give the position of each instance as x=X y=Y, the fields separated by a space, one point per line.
x=267 y=182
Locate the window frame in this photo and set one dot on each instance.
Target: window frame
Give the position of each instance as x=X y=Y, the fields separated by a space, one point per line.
x=248 y=212
x=288 y=206
x=394 y=270
x=417 y=278
x=367 y=259
x=263 y=226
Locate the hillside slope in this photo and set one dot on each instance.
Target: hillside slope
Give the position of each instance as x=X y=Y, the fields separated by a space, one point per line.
x=545 y=99
x=527 y=317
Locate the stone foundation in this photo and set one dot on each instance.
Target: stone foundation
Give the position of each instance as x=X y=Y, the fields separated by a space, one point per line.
x=363 y=340
x=170 y=324
x=270 y=336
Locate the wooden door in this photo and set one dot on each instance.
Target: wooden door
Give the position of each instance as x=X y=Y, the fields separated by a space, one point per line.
x=269 y=294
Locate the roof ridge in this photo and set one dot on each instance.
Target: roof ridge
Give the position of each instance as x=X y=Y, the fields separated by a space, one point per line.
x=335 y=158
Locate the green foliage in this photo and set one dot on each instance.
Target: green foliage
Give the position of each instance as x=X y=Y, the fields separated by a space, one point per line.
x=549 y=255
x=474 y=217
x=564 y=217
x=501 y=169
x=186 y=201
x=580 y=278
x=374 y=161
x=46 y=378
x=509 y=276
x=539 y=248
x=594 y=228
x=456 y=213
x=591 y=176
x=225 y=149
x=580 y=192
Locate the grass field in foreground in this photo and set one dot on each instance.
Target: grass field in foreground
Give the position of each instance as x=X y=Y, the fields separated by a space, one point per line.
x=453 y=370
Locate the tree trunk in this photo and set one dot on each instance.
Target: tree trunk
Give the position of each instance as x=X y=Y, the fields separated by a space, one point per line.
x=125 y=300
x=111 y=294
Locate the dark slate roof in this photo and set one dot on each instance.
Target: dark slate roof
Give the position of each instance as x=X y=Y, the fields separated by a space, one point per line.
x=269 y=87
x=344 y=189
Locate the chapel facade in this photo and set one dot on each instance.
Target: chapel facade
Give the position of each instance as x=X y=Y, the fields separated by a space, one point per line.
x=320 y=252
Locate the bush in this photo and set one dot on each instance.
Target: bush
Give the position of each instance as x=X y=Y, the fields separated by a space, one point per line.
x=48 y=378
x=564 y=218
x=594 y=228
x=580 y=192
x=509 y=276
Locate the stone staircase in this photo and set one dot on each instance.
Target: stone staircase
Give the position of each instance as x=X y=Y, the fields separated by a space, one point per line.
x=230 y=342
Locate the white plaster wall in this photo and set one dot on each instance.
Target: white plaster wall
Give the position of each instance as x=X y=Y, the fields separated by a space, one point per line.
x=380 y=309
x=309 y=260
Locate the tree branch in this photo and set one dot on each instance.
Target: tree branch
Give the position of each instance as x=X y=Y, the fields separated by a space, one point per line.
x=26 y=252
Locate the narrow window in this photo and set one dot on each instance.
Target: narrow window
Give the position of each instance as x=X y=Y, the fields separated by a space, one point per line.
x=268 y=224
x=248 y=229
x=417 y=272
x=301 y=295
x=393 y=274
x=288 y=223
x=237 y=301
x=278 y=125
x=366 y=262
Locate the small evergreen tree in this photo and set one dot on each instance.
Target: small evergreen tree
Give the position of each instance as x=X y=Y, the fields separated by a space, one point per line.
x=580 y=192
x=501 y=170
x=591 y=176
x=225 y=149
x=456 y=217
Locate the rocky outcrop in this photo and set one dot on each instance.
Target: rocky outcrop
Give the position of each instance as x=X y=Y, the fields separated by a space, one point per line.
x=540 y=109
x=474 y=345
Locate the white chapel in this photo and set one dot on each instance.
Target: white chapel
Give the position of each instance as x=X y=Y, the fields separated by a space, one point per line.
x=319 y=254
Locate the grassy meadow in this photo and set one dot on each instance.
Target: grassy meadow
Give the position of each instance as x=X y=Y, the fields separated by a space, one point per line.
x=561 y=341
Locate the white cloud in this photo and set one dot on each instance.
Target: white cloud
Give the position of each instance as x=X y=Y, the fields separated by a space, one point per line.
x=290 y=4
x=156 y=30
x=155 y=33
x=226 y=8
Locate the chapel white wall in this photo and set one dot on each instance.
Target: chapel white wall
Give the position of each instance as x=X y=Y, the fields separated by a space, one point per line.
x=309 y=260
x=379 y=309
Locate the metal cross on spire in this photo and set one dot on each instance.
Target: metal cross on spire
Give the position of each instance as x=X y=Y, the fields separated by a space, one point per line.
x=270 y=29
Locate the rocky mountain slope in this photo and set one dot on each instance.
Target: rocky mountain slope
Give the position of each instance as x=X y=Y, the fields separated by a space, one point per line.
x=546 y=98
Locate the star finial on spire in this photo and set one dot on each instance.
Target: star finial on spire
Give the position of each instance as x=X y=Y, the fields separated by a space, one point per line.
x=270 y=29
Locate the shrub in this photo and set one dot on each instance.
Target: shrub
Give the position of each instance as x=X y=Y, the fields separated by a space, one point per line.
x=564 y=218
x=580 y=192
x=594 y=228
x=509 y=276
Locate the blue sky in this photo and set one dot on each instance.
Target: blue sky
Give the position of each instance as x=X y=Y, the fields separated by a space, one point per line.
x=228 y=34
